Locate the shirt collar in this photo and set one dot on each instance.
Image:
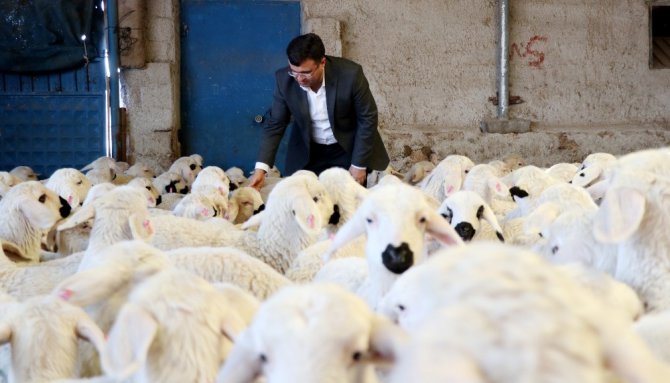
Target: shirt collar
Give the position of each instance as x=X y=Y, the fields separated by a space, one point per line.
x=323 y=85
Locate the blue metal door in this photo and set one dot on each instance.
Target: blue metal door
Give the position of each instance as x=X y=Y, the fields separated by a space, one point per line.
x=230 y=51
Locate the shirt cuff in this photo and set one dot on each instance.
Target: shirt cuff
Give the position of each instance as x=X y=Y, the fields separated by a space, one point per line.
x=262 y=166
x=359 y=167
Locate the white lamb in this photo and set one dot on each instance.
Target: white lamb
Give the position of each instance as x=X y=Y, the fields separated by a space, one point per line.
x=509 y=164
x=447 y=177
x=562 y=171
x=298 y=208
x=236 y=177
x=103 y=163
x=346 y=193
x=205 y=203
x=244 y=202
x=7 y=181
x=140 y=170
x=99 y=176
x=212 y=176
x=592 y=169
x=312 y=333
x=187 y=167
x=528 y=181
x=483 y=180
x=43 y=333
x=30 y=210
x=634 y=217
x=504 y=315
x=418 y=172
x=25 y=173
x=466 y=211
x=396 y=219
x=71 y=184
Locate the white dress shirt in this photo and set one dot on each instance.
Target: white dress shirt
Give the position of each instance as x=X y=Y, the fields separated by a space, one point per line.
x=321 y=133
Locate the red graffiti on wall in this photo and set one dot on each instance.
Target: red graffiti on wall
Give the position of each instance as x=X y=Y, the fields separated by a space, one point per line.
x=525 y=50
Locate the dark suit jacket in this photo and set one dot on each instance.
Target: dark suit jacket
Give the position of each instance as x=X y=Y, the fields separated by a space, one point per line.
x=351 y=110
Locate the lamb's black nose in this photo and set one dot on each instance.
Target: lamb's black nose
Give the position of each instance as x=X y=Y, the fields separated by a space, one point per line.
x=518 y=192
x=260 y=209
x=159 y=200
x=335 y=217
x=65 y=207
x=465 y=230
x=398 y=259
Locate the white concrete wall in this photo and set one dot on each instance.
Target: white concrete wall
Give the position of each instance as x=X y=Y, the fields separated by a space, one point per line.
x=581 y=67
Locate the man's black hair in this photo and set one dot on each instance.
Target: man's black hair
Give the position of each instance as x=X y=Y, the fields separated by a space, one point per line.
x=308 y=46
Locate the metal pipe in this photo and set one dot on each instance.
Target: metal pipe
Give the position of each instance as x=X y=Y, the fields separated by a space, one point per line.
x=113 y=57
x=503 y=59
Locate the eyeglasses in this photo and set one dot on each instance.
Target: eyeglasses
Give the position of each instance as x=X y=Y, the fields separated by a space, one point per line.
x=305 y=76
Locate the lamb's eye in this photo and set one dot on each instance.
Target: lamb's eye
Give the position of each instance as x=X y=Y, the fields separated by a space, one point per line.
x=369 y=220
x=80 y=182
x=467 y=171
x=582 y=174
x=401 y=307
x=263 y=358
x=357 y=356
x=554 y=250
x=43 y=198
x=316 y=199
x=192 y=166
x=148 y=188
x=422 y=220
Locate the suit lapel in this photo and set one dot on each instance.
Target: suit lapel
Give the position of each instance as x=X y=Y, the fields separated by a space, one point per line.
x=331 y=92
x=305 y=121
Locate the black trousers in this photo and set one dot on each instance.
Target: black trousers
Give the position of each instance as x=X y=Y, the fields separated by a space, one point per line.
x=322 y=157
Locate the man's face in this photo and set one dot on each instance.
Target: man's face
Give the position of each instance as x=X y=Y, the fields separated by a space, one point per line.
x=309 y=73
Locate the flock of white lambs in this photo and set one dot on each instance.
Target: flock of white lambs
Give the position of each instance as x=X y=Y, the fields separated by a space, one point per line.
x=456 y=273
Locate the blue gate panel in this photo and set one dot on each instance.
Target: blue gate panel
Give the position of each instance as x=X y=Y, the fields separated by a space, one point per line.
x=230 y=51
x=54 y=120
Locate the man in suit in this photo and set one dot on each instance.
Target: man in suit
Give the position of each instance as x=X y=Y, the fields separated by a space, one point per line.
x=335 y=115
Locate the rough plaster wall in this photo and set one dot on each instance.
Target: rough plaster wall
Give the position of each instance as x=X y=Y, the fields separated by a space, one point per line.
x=151 y=95
x=580 y=66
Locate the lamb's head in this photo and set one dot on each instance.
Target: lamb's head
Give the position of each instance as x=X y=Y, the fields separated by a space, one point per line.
x=198 y=159
x=465 y=210
x=187 y=167
x=212 y=176
x=140 y=170
x=204 y=204
x=123 y=204
x=104 y=163
x=103 y=273
x=146 y=184
x=170 y=182
x=303 y=196
x=25 y=173
x=236 y=176
x=41 y=207
x=346 y=193
x=46 y=320
x=70 y=184
x=396 y=219
x=316 y=333
x=98 y=176
x=244 y=202
x=7 y=181
x=98 y=191
x=592 y=169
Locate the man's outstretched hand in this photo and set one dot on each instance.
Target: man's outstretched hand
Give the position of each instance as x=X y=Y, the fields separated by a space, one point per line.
x=257 y=180
x=359 y=174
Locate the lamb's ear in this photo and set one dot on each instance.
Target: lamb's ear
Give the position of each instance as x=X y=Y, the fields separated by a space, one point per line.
x=541 y=218
x=231 y=213
x=129 y=341
x=91 y=286
x=253 y=221
x=386 y=340
x=306 y=213
x=352 y=229
x=453 y=180
x=440 y=229
x=620 y=214
x=37 y=214
x=498 y=188
x=80 y=216
x=5 y=332
x=232 y=324
x=243 y=364
x=88 y=330
x=141 y=227
x=490 y=217
x=12 y=251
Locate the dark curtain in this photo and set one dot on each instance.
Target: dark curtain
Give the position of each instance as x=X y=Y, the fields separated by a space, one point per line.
x=45 y=35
